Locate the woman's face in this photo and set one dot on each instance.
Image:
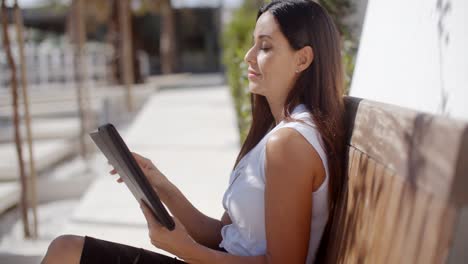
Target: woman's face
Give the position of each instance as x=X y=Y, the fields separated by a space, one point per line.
x=272 y=62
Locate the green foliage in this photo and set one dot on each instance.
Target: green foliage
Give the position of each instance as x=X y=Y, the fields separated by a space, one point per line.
x=237 y=40
x=348 y=53
x=339 y=10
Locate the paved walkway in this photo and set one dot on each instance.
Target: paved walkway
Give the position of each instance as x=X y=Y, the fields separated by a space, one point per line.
x=191 y=135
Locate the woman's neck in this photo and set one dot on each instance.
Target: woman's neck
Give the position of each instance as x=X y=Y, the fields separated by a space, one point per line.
x=277 y=109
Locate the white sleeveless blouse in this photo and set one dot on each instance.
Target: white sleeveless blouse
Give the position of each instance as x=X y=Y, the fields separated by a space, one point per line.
x=244 y=198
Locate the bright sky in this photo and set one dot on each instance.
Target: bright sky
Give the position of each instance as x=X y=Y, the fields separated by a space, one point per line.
x=176 y=3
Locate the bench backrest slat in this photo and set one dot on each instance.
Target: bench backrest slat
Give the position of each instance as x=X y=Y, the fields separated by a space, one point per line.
x=402 y=202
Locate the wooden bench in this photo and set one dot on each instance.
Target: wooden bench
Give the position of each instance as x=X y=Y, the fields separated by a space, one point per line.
x=406 y=194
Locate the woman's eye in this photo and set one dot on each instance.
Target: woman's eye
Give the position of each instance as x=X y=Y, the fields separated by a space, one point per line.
x=265 y=48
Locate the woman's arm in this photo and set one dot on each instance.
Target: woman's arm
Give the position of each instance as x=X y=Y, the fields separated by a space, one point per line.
x=292 y=169
x=199 y=254
x=203 y=229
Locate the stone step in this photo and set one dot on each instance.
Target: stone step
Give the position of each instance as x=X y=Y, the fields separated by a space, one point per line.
x=45 y=128
x=9 y=195
x=46 y=153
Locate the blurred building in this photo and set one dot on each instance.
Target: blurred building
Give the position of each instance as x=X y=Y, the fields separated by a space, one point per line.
x=196 y=41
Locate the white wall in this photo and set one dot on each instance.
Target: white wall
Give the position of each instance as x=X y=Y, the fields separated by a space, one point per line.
x=405 y=59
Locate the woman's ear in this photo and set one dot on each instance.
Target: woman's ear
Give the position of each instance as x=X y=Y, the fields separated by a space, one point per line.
x=305 y=57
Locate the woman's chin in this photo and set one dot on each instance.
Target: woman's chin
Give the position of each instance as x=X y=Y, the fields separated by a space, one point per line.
x=253 y=88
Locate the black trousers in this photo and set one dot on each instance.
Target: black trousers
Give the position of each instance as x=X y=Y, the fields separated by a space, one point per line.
x=102 y=251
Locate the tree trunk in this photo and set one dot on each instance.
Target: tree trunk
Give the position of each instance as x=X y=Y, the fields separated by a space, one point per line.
x=32 y=168
x=79 y=35
x=113 y=26
x=126 y=50
x=18 y=141
x=112 y=39
x=167 y=39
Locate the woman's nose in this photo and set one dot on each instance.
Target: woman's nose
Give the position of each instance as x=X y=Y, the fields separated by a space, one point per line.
x=249 y=58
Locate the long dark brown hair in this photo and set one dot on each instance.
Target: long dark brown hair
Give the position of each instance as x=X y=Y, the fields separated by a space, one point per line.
x=319 y=87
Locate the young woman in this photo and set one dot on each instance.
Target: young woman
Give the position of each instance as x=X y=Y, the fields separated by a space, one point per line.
x=288 y=172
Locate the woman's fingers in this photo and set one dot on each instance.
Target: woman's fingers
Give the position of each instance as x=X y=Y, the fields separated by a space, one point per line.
x=138 y=157
x=113 y=172
x=141 y=160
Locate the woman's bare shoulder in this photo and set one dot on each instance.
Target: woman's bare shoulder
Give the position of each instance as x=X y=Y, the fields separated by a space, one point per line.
x=287 y=150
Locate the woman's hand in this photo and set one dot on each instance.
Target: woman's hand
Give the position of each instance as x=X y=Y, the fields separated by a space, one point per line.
x=154 y=176
x=177 y=241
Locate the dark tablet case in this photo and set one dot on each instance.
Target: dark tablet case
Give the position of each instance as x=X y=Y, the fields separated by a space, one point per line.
x=117 y=153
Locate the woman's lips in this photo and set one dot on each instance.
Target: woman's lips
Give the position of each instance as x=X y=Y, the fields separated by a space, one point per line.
x=253 y=75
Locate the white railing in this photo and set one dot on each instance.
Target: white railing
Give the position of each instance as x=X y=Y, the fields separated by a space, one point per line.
x=47 y=64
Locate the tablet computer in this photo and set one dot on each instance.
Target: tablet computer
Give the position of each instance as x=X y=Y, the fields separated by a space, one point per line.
x=119 y=156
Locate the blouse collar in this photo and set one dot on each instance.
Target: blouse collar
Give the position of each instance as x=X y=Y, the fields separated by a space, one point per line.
x=300 y=108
